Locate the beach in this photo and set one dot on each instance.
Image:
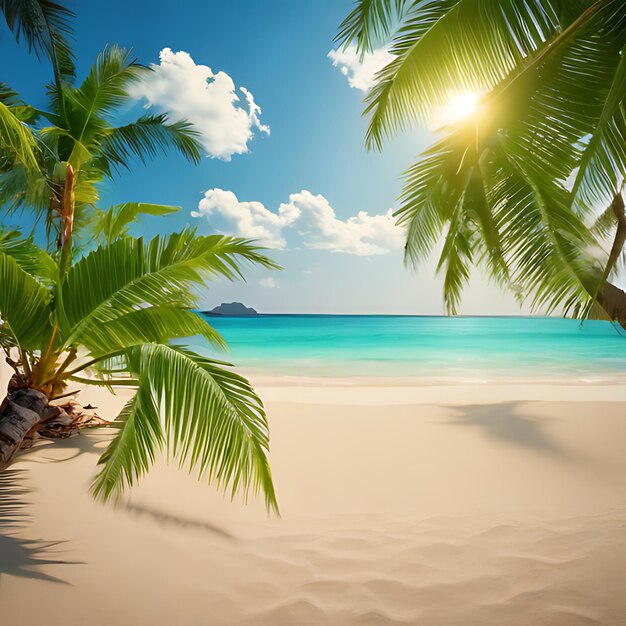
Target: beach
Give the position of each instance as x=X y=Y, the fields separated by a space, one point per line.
x=457 y=504
x=313 y=316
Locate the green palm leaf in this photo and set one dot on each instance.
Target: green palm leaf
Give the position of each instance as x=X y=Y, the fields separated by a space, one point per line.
x=149 y=136
x=28 y=255
x=128 y=274
x=447 y=47
x=103 y=91
x=17 y=143
x=207 y=416
x=370 y=22
x=21 y=110
x=603 y=163
x=113 y=223
x=24 y=304
x=157 y=324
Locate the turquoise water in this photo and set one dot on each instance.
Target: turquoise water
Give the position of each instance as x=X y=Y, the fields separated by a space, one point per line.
x=468 y=348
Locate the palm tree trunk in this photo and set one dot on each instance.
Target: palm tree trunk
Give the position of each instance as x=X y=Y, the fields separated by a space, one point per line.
x=613 y=301
x=20 y=412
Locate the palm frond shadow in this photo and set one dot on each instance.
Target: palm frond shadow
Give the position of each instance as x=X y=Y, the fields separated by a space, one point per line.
x=167 y=519
x=507 y=421
x=26 y=558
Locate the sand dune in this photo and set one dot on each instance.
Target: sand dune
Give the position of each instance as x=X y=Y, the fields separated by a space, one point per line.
x=466 y=511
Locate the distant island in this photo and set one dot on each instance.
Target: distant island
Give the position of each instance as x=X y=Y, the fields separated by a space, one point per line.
x=231 y=308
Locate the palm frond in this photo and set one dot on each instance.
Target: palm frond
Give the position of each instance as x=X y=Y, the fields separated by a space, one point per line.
x=455 y=261
x=46 y=27
x=24 y=304
x=448 y=47
x=128 y=274
x=133 y=450
x=370 y=23
x=149 y=136
x=501 y=215
x=602 y=166
x=17 y=143
x=28 y=255
x=549 y=247
x=155 y=324
x=208 y=416
x=556 y=102
x=108 y=225
x=100 y=94
x=22 y=111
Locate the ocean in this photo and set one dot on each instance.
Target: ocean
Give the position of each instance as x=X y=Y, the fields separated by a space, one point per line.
x=426 y=348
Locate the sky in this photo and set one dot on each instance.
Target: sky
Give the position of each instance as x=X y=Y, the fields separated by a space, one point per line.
x=279 y=114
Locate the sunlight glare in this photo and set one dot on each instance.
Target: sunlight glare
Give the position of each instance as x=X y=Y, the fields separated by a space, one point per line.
x=458 y=108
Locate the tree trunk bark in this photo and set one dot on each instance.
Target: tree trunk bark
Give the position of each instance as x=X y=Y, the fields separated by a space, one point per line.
x=21 y=411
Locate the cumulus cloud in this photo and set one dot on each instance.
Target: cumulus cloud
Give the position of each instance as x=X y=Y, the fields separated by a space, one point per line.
x=308 y=217
x=360 y=72
x=269 y=282
x=225 y=117
x=250 y=219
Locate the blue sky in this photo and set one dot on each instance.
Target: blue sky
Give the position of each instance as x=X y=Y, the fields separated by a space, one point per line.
x=313 y=157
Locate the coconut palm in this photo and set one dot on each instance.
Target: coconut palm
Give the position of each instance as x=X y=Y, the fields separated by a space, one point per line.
x=52 y=162
x=112 y=319
x=117 y=315
x=527 y=185
x=47 y=27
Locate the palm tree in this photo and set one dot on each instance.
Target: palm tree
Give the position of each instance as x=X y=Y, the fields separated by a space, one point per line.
x=52 y=162
x=111 y=319
x=47 y=27
x=528 y=184
x=115 y=316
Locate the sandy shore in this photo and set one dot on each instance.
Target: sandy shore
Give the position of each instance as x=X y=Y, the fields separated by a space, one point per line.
x=464 y=505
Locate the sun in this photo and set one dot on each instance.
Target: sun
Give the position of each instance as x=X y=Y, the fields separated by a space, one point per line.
x=457 y=109
x=462 y=106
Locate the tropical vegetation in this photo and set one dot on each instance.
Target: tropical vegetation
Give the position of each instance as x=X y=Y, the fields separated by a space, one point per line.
x=528 y=184
x=95 y=306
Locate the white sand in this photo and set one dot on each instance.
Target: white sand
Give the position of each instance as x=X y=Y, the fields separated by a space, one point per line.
x=475 y=505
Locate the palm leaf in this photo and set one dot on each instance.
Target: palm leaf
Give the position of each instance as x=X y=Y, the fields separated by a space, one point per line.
x=17 y=142
x=149 y=136
x=156 y=324
x=24 y=304
x=208 y=416
x=100 y=94
x=128 y=274
x=46 y=26
x=447 y=47
x=24 y=112
x=28 y=255
x=369 y=23
x=113 y=223
x=603 y=164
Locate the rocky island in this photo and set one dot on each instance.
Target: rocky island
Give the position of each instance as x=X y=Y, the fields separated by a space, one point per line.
x=231 y=308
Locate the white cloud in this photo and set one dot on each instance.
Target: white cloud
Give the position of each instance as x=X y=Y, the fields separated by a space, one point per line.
x=184 y=90
x=250 y=219
x=269 y=282
x=361 y=72
x=309 y=217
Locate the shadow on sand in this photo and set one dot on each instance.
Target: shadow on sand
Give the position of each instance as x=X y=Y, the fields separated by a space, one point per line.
x=168 y=519
x=508 y=422
x=22 y=557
